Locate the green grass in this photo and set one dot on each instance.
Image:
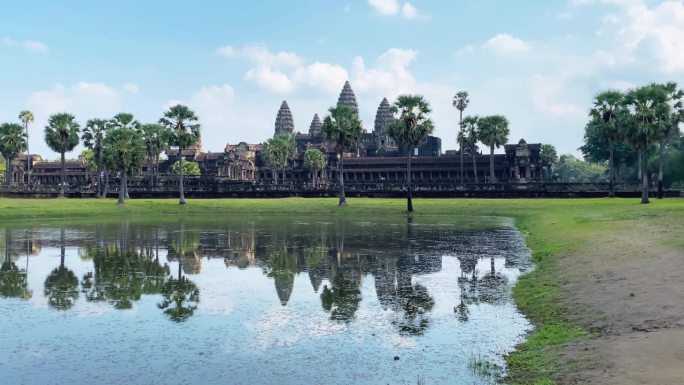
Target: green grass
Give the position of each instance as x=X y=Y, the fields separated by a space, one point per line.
x=553 y=228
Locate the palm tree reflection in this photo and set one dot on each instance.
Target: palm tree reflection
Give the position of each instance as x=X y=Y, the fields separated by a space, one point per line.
x=180 y=296
x=13 y=281
x=61 y=285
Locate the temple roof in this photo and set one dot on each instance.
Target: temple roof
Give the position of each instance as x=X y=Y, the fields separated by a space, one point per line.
x=383 y=117
x=316 y=125
x=284 y=122
x=347 y=97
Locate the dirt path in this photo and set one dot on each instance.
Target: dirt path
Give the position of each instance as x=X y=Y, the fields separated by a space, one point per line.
x=626 y=285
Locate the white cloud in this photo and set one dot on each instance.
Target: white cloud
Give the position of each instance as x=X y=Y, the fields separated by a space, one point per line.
x=395 y=8
x=131 y=88
x=82 y=99
x=504 y=44
x=547 y=96
x=28 y=45
x=324 y=76
x=385 y=7
x=270 y=79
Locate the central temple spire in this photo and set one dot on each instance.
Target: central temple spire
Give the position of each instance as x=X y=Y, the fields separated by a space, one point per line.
x=347 y=98
x=284 y=122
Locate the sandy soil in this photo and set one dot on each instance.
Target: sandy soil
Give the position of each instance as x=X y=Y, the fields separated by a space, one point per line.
x=627 y=287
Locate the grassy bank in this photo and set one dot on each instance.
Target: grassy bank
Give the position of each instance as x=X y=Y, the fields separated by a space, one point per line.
x=554 y=230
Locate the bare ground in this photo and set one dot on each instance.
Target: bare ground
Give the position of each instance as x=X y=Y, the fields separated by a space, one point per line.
x=626 y=286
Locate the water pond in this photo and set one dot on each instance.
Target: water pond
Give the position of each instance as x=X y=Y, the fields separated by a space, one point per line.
x=259 y=301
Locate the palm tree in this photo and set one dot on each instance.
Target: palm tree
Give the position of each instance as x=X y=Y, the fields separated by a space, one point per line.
x=471 y=130
x=493 y=133
x=12 y=142
x=61 y=285
x=670 y=129
x=61 y=135
x=183 y=131
x=461 y=102
x=342 y=129
x=279 y=150
x=314 y=160
x=94 y=134
x=125 y=151
x=155 y=138
x=27 y=118
x=411 y=127
x=646 y=113
x=605 y=115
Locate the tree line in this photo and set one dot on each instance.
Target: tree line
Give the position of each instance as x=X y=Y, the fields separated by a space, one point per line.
x=635 y=124
x=120 y=144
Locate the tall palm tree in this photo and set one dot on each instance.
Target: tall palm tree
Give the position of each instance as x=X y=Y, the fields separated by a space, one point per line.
x=605 y=115
x=342 y=129
x=411 y=127
x=646 y=113
x=27 y=118
x=314 y=160
x=61 y=135
x=155 y=138
x=12 y=143
x=94 y=134
x=670 y=129
x=471 y=129
x=183 y=131
x=460 y=103
x=124 y=149
x=493 y=133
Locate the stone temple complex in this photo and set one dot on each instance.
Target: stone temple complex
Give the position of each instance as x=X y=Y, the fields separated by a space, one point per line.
x=375 y=161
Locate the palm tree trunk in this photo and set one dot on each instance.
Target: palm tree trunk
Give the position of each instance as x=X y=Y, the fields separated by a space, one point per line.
x=460 y=124
x=181 y=200
x=474 y=165
x=62 y=248
x=99 y=182
x=8 y=172
x=611 y=189
x=61 y=187
x=461 y=151
x=340 y=171
x=640 y=174
x=661 y=160
x=409 y=197
x=492 y=177
x=126 y=185
x=644 y=177
x=106 y=186
x=122 y=189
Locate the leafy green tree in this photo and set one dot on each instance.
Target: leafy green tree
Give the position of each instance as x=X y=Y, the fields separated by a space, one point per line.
x=460 y=102
x=12 y=143
x=573 y=170
x=26 y=117
x=123 y=150
x=548 y=156
x=471 y=129
x=61 y=285
x=493 y=132
x=189 y=168
x=669 y=129
x=342 y=129
x=94 y=134
x=182 y=132
x=61 y=135
x=314 y=160
x=605 y=116
x=647 y=113
x=155 y=137
x=278 y=151
x=410 y=128
x=596 y=148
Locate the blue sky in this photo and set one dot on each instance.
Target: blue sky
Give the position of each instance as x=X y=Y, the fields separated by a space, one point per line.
x=538 y=63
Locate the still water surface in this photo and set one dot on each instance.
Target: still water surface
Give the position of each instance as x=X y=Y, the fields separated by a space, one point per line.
x=258 y=301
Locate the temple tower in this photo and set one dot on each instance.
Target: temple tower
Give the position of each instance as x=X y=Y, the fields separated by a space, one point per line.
x=284 y=122
x=316 y=127
x=383 y=119
x=347 y=98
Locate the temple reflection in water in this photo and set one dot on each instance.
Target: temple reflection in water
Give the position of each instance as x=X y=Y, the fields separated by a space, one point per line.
x=131 y=260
